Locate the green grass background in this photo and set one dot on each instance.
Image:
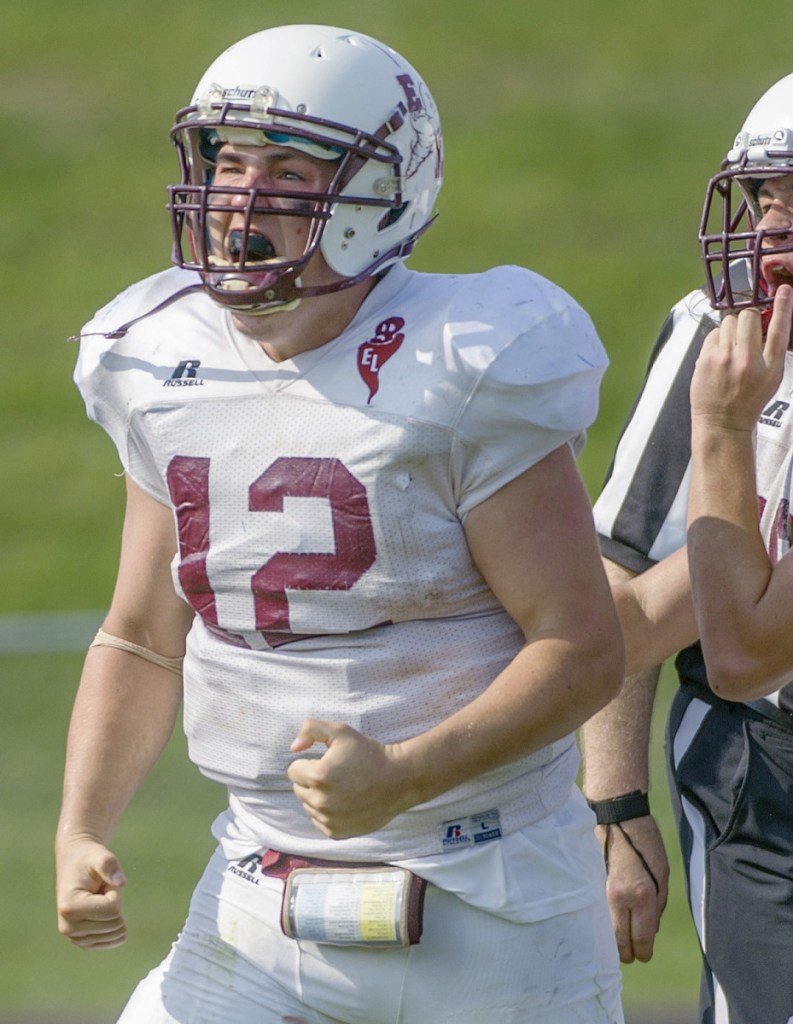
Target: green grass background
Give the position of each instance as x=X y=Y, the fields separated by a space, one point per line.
x=579 y=138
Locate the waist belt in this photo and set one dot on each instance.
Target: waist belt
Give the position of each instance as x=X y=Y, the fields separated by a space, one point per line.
x=280 y=865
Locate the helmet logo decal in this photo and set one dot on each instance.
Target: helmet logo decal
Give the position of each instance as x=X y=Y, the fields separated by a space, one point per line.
x=375 y=353
x=426 y=141
x=415 y=102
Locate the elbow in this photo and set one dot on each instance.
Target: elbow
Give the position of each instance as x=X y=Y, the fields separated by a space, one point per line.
x=736 y=676
x=724 y=684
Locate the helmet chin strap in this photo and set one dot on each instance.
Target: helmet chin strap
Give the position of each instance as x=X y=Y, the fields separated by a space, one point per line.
x=258 y=308
x=283 y=307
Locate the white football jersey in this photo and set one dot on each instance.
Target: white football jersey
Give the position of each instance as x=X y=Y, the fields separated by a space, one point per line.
x=319 y=506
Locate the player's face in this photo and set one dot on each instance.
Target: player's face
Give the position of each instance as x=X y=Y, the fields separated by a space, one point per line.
x=271 y=235
x=775 y=199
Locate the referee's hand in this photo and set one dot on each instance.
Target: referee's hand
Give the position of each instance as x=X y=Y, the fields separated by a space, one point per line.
x=636 y=905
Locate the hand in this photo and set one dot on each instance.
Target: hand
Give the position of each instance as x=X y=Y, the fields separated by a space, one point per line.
x=89 y=902
x=736 y=373
x=357 y=786
x=636 y=907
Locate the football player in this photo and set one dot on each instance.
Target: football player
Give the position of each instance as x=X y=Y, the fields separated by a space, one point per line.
x=338 y=553
x=711 y=447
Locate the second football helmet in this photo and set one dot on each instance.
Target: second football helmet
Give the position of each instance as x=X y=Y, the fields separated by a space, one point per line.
x=731 y=245
x=333 y=94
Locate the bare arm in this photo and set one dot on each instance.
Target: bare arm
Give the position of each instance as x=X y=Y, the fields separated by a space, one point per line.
x=657 y=618
x=656 y=611
x=123 y=716
x=615 y=745
x=546 y=572
x=743 y=602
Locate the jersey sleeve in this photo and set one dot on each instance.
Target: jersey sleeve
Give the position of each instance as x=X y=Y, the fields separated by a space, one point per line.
x=115 y=363
x=640 y=514
x=535 y=371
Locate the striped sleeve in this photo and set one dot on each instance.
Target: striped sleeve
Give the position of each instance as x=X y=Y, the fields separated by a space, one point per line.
x=641 y=512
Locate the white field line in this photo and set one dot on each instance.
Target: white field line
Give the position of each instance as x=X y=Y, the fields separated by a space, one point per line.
x=48 y=632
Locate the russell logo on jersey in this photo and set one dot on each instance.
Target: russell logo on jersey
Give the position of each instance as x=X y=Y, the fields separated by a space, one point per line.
x=185 y=375
x=773 y=415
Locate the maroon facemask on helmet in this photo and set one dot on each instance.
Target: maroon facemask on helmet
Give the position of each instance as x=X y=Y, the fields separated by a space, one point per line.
x=732 y=247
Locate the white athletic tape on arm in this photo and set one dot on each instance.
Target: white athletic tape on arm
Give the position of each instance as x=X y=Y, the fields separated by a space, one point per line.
x=103 y=639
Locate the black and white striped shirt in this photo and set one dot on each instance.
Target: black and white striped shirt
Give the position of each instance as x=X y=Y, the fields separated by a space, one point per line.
x=641 y=512
x=640 y=515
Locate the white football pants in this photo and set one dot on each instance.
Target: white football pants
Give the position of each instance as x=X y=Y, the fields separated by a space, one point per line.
x=233 y=965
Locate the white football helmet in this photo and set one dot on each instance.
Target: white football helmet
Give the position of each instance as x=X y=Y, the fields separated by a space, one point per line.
x=730 y=244
x=336 y=95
